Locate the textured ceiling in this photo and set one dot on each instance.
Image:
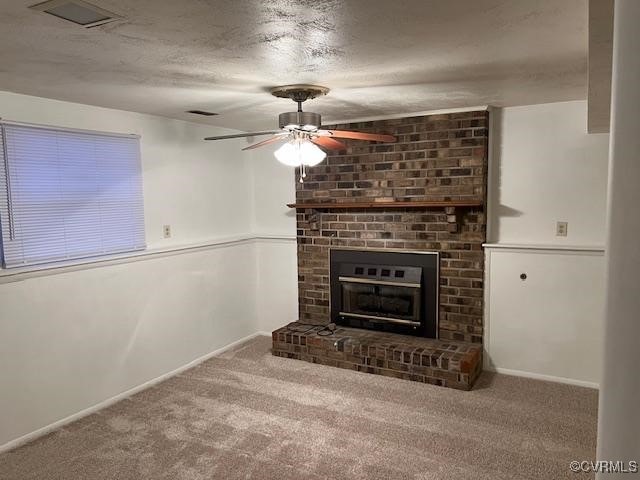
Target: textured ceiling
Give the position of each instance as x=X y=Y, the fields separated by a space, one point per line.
x=379 y=57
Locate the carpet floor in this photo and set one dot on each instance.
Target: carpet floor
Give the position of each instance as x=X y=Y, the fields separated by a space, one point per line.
x=247 y=414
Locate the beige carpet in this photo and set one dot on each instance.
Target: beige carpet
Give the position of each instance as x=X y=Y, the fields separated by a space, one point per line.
x=247 y=414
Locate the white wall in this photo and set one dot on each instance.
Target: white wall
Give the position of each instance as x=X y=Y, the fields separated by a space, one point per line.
x=273 y=186
x=549 y=325
x=277 y=283
x=72 y=340
x=618 y=419
x=545 y=168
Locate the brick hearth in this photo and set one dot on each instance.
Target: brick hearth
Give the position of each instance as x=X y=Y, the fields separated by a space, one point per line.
x=449 y=364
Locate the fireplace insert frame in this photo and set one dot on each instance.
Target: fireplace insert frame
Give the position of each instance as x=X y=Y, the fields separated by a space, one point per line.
x=427 y=261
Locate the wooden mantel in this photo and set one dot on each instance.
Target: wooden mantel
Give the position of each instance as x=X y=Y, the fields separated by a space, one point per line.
x=382 y=205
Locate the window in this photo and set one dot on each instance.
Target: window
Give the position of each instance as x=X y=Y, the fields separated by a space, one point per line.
x=68 y=194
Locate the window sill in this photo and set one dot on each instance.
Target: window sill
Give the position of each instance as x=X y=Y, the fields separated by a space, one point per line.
x=18 y=274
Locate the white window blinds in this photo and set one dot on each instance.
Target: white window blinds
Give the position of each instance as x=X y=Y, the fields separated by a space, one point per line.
x=67 y=194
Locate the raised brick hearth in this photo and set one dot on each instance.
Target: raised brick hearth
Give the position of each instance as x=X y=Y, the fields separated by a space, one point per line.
x=437 y=158
x=450 y=364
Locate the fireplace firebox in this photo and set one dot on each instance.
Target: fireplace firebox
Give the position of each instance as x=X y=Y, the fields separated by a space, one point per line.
x=385 y=290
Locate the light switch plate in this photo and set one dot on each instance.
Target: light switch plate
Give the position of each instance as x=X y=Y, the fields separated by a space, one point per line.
x=562 y=228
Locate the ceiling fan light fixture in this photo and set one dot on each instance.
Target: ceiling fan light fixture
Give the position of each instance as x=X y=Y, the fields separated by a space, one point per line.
x=304 y=131
x=288 y=154
x=310 y=154
x=298 y=152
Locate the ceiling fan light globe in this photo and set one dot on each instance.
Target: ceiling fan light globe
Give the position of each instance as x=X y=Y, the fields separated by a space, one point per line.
x=299 y=152
x=310 y=154
x=288 y=155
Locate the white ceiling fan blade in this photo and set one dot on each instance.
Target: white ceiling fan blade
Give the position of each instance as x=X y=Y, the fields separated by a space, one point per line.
x=276 y=138
x=241 y=135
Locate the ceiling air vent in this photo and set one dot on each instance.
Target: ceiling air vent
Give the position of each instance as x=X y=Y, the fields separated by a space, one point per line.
x=202 y=112
x=77 y=11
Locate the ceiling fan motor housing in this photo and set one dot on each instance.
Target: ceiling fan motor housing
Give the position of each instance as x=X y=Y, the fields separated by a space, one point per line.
x=299 y=120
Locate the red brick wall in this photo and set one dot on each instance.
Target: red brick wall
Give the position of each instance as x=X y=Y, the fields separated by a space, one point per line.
x=436 y=157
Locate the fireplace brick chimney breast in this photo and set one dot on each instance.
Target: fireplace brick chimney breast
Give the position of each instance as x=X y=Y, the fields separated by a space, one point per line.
x=436 y=158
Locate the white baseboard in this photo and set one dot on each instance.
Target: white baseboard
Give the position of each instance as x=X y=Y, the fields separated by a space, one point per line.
x=10 y=445
x=548 y=378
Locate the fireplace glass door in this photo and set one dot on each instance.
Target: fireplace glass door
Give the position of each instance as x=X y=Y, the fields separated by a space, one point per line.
x=381 y=301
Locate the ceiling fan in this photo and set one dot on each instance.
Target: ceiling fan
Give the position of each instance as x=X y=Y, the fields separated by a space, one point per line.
x=306 y=141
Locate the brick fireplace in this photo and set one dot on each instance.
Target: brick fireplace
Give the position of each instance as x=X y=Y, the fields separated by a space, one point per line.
x=436 y=158
x=436 y=176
